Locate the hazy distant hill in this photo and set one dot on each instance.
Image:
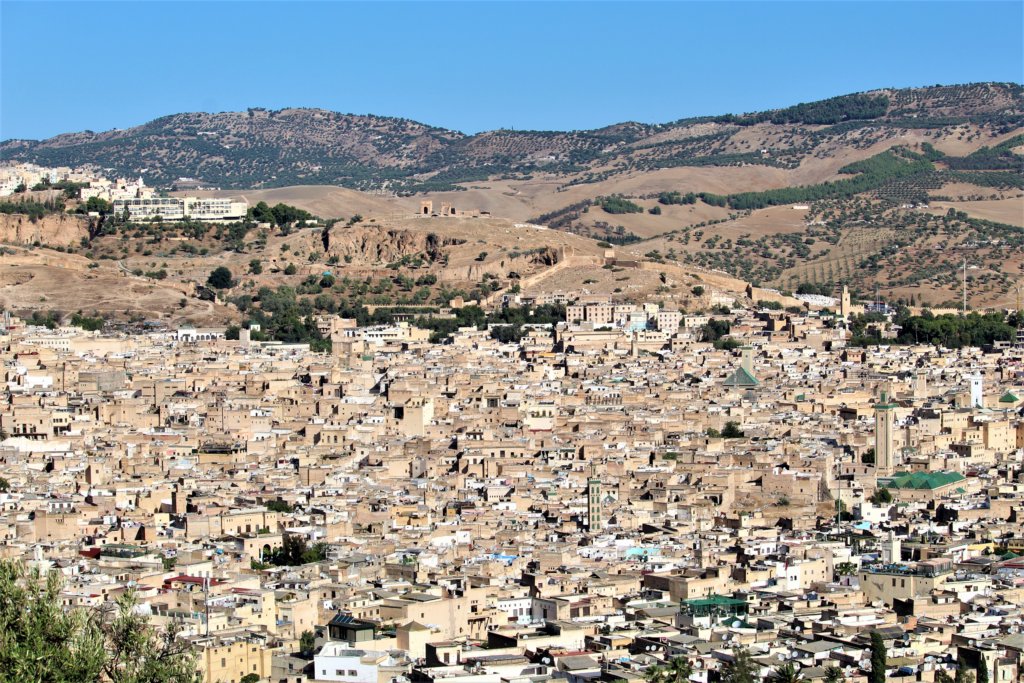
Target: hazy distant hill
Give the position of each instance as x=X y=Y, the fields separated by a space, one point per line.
x=260 y=148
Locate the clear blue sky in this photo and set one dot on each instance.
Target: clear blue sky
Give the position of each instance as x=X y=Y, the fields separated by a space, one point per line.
x=478 y=66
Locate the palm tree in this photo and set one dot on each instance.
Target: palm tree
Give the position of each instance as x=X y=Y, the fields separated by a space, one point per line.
x=656 y=674
x=677 y=670
x=741 y=670
x=784 y=673
x=680 y=670
x=833 y=674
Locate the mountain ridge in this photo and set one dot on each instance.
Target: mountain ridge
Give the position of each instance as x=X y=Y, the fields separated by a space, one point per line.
x=273 y=148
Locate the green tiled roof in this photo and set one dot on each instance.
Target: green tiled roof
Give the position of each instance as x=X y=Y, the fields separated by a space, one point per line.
x=920 y=480
x=741 y=378
x=714 y=600
x=1008 y=397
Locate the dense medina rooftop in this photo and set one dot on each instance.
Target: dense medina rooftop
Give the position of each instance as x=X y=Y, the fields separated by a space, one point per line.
x=589 y=501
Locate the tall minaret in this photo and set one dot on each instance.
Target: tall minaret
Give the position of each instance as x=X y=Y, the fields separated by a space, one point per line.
x=921 y=383
x=844 y=303
x=977 y=392
x=892 y=551
x=593 y=500
x=884 y=416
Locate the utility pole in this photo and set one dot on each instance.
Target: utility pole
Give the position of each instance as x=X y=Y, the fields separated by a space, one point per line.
x=206 y=602
x=839 y=497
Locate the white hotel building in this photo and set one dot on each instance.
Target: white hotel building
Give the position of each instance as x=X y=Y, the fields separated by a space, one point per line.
x=180 y=208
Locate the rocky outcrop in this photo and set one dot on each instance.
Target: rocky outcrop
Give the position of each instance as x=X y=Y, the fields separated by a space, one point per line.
x=368 y=244
x=57 y=230
x=522 y=263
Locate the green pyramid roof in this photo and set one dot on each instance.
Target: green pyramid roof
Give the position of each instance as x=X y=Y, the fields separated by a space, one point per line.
x=741 y=378
x=920 y=480
x=1008 y=397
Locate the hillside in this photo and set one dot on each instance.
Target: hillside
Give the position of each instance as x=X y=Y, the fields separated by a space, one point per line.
x=886 y=192
x=371 y=267
x=261 y=148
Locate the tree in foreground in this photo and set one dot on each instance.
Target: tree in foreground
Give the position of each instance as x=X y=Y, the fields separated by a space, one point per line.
x=741 y=670
x=677 y=670
x=42 y=642
x=833 y=674
x=982 y=676
x=138 y=654
x=39 y=641
x=307 y=643
x=878 y=658
x=963 y=673
x=784 y=673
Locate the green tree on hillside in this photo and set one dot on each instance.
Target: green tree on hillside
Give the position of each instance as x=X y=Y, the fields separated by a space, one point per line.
x=616 y=204
x=220 y=278
x=99 y=205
